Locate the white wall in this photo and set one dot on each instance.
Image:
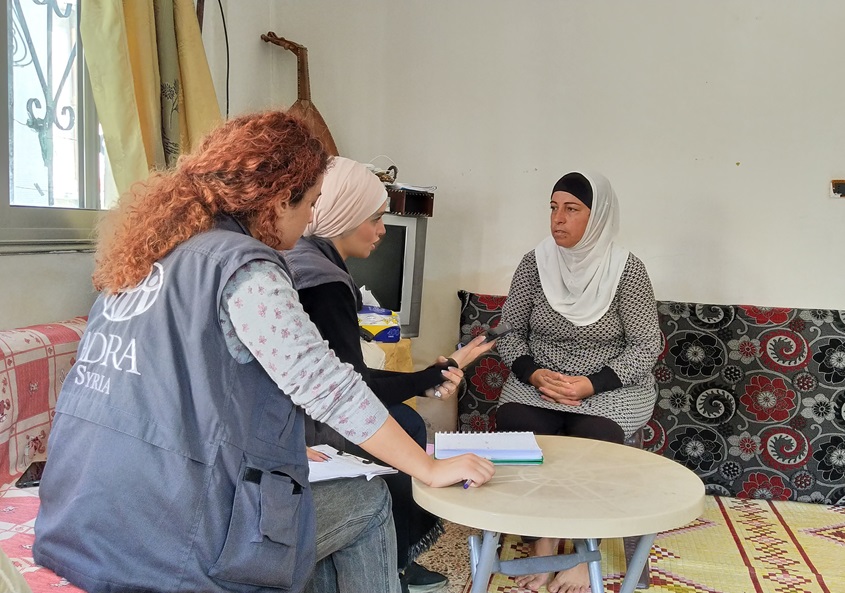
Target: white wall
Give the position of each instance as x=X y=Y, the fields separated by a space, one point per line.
x=720 y=124
x=41 y=288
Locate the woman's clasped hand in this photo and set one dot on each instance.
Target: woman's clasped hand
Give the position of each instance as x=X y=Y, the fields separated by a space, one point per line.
x=562 y=389
x=584 y=340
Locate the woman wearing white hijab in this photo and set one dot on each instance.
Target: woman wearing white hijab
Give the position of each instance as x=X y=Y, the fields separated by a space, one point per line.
x=586 y=336
x=347 y=222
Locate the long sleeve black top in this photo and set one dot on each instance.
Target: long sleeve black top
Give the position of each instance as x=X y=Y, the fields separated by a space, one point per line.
x=333 y=310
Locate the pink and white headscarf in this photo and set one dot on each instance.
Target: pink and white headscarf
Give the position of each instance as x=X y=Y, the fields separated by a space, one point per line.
x=351 y=194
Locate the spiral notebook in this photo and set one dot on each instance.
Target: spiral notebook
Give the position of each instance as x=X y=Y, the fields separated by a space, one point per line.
x=512 y=448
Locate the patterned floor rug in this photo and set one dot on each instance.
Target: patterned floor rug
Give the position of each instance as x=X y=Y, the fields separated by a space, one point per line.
x=736 y=546
x=18 y=509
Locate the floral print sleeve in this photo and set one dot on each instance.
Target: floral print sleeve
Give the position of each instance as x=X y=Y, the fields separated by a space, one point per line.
x=262 y=318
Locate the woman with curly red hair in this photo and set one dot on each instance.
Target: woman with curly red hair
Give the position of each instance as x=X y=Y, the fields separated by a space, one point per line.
x=177 y=459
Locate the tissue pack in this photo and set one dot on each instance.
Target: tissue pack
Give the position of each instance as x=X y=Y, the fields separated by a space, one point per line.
x=382 y=323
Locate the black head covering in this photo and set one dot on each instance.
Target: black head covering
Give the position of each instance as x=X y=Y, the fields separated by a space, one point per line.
x=577 y=185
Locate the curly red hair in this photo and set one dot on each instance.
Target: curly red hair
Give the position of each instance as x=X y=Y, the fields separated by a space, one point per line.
x=244 y=168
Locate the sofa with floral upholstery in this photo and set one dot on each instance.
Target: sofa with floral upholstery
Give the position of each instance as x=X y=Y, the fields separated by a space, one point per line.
x=752 y=399
x=34 y=362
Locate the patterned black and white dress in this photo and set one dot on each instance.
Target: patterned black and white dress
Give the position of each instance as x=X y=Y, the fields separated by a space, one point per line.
x=626 y=339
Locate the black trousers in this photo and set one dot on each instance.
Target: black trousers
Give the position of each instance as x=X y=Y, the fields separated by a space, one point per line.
x=520 y=417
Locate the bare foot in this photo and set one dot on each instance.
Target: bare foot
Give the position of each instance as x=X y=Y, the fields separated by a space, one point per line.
x=572 y=580
x=533 y=581
x=542 y=547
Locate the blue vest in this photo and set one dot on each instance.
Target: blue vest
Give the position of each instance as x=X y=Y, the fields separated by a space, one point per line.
x=314 y=261
x=171 y=466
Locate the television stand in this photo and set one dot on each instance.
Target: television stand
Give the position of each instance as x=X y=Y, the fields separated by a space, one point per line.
x=411 y=203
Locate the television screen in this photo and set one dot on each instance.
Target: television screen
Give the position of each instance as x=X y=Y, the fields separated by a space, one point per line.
x=394 y=271
x=383 y=271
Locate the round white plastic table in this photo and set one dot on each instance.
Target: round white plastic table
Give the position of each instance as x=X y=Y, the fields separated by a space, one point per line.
x=584 y=490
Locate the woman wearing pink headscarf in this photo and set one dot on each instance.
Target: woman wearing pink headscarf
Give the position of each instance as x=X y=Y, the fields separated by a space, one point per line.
x=347 y=222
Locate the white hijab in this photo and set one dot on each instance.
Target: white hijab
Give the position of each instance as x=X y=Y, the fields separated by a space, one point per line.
x=579 y=282
x=351 y=193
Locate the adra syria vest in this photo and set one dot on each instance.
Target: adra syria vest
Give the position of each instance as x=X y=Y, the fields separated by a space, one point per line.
x=171 y=466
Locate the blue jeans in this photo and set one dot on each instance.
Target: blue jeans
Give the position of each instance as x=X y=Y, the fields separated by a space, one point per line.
x=416 y=529
x=356 y=541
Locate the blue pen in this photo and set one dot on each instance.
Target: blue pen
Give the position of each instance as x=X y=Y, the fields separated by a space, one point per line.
x=467 y=484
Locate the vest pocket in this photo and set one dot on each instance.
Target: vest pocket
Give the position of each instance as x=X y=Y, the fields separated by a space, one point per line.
x=264 y=544
x=276 y=420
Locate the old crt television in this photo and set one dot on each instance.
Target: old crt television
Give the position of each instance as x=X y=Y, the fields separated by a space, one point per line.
x=394 y=271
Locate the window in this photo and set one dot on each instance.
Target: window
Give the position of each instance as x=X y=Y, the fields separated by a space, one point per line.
x=57 y=176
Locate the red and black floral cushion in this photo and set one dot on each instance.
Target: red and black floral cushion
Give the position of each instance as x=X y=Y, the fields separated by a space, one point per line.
x=486 y=376
x=752 y=399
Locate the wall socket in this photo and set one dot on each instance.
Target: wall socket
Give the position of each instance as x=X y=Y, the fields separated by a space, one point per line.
x=837 y=188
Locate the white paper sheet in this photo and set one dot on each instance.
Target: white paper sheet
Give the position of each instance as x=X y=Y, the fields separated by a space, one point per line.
x=343 y=465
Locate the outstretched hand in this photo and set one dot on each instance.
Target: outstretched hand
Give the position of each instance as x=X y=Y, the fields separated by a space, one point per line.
x=449 y=388
x=560 y=388
x=392 y=445
x=475 y=348
x=463 y=468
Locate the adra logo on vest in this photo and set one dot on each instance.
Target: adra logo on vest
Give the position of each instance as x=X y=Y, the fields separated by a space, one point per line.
x=104 y=352
x=126 y=305
x=109 y=351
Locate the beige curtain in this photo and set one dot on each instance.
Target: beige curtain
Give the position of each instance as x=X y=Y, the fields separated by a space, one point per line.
x=150 y=80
